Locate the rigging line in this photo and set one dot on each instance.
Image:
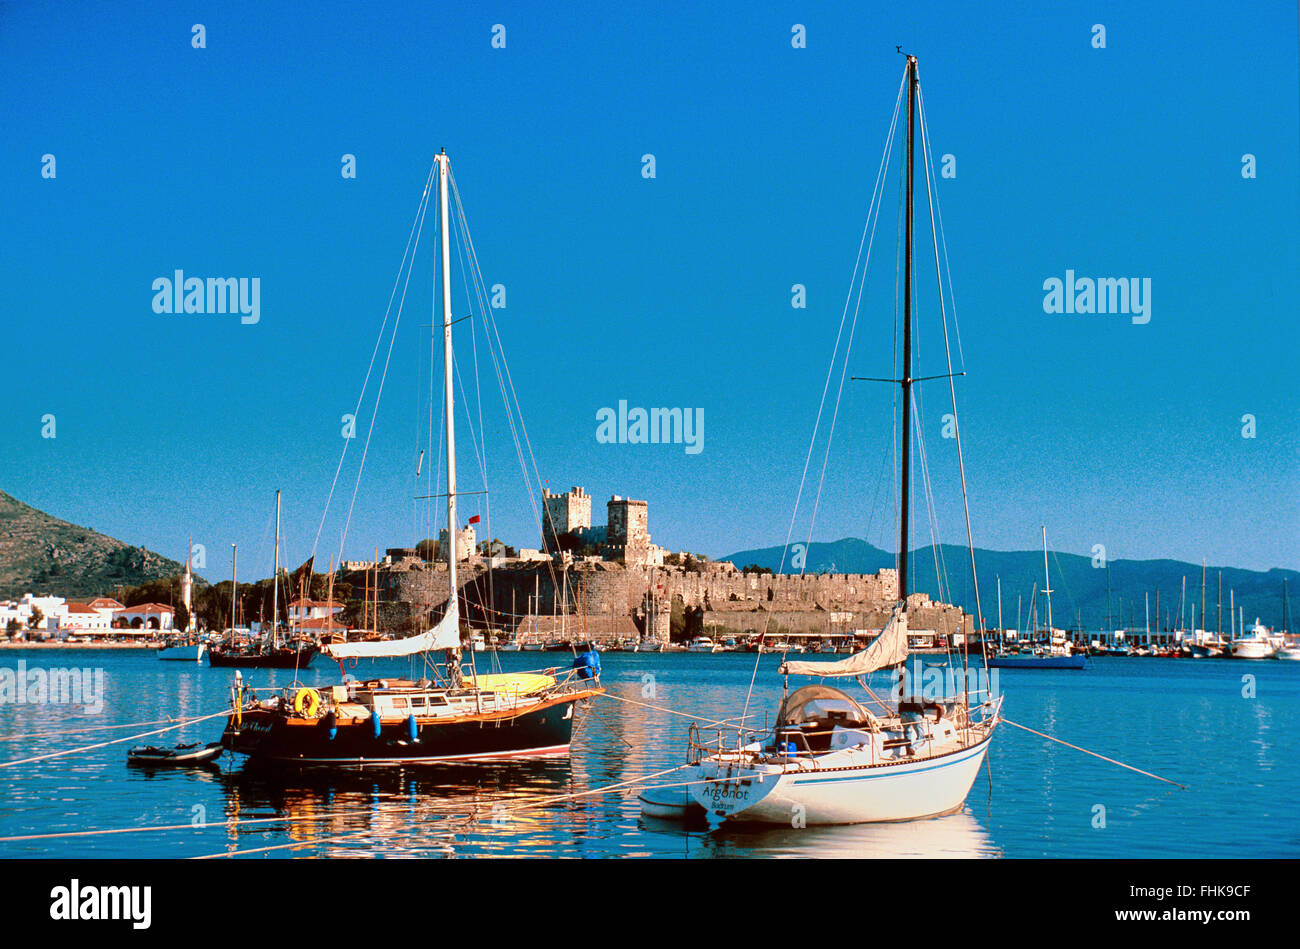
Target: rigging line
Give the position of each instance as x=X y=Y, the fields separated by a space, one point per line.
x=938 y=209
x=501 y=368
x=877 y=187
x=480 y=451
x=478 y=391
x=952 y=390
x=379 y=393
x=867 y=240
x=1094 y=754
x=505 y=382
x=1060 y=573
x=660 y=708
x=927 y=491
x=419 y=216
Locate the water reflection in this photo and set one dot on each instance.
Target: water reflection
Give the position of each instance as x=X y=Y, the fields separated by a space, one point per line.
x=437 y=809
x=957 y=835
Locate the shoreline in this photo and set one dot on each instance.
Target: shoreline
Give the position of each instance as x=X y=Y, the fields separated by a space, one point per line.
x=77 y=646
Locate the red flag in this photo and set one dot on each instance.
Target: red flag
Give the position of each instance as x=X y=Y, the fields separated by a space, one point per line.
x=474 y=519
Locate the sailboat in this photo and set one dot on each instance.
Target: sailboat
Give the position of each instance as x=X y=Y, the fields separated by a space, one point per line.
x=461 y=715
x=1056 y=654
x=297 y=654
x=829 y=759
x=1288 y=648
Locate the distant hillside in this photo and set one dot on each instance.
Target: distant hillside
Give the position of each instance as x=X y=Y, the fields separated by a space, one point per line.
x=1076 y=584
x=42 y=554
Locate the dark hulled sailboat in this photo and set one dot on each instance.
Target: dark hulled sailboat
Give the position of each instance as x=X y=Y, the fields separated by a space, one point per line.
x=456 y=715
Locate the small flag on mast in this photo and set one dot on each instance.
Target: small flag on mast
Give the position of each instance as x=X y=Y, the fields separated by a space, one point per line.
x=474 y=519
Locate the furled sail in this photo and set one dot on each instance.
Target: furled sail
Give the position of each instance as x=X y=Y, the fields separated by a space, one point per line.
x=887 y=649
x=445 y=635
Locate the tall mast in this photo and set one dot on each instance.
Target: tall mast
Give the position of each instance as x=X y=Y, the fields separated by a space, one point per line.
x=1047 y=584
x=1000 y=633
x=444 y=171
x=1219 y=610
x=1108 y=624
x=1286 y=623
x=275 y=580
x=234 y=585
x=907 y=339
x=1203 y=623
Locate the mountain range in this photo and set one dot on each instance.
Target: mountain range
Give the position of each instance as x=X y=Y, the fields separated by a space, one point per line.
x=1079 y=588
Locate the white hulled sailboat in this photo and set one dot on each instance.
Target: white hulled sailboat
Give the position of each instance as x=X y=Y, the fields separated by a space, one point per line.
x=829 y=759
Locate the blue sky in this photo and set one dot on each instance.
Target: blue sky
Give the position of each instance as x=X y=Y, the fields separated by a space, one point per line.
x=675 y=291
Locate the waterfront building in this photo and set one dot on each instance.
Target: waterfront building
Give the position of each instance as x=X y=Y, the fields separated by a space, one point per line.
x=302 y=610
x=144 y=616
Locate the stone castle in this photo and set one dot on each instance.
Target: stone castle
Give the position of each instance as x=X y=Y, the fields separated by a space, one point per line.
x=629 y=593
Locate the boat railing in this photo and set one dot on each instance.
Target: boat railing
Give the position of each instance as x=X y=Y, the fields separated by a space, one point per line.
x=565 y=681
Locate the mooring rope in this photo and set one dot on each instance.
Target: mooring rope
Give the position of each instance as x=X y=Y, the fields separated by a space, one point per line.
x=725 y=723
x=115 y=741
x=88 y=728
x=1094 y=754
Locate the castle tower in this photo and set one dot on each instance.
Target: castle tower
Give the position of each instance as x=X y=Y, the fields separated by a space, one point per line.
x=562 y=513
x=627 y=535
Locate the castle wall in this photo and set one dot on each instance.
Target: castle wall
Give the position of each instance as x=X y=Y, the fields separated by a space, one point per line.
x=623 y=601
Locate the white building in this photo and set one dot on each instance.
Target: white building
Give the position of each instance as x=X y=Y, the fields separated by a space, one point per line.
x=301 y=609
x=84 y=619
x=144 y=616
x=53 y=610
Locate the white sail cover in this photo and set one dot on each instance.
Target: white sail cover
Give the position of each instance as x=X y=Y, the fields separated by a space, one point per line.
x=887 y=649
x=446 y=635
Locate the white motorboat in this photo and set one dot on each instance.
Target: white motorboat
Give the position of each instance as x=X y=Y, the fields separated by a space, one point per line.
x=183 y=651
x=1255 y=644
x=702 y=644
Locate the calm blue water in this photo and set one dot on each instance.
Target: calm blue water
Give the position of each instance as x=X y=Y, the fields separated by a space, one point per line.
x=1185 y=719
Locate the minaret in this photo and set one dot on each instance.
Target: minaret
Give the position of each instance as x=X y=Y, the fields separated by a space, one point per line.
x=187 y=587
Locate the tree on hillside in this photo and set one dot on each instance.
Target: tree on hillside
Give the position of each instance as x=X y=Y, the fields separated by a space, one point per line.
x=37 y=617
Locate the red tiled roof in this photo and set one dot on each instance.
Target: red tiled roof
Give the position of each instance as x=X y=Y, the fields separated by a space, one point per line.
x=105 y=602
x=321 y=622
x=82 y=608
x=146 y=608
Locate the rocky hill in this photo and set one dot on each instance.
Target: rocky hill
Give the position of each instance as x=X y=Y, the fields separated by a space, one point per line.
x=42 y=554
